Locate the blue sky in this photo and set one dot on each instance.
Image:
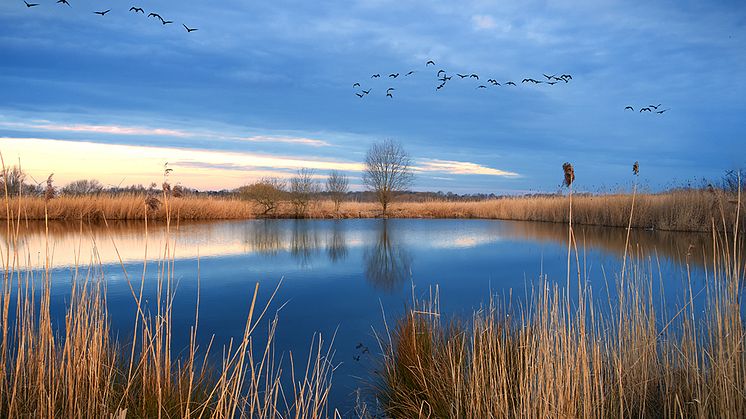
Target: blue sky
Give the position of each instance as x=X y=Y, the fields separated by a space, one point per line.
x=263 y=88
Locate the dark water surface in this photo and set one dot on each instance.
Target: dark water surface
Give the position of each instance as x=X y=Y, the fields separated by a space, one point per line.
x=341 y=276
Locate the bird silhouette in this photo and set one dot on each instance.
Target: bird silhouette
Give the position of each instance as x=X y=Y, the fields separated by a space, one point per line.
x=481 y=86
x=645 y=109
x=188 y=29
x=410 y=73
x=549 y=77
x=360 y=95
x=462 y=75
x=429 y=62
x=389 y=89
x=366 y=91
x=510 y=83
x=565 y=77
x=552 y=83
x=30 y=4
x=654 y=106
x=166 y=22
x=389 y=95
x=63 y=2
x=356 y=85
x=525 y=80
x=375 y=76
x=155 y=15
x=630 y=108
x=440 y=86
x=474 y=76
x=356 y=357
x=440 y=71
x=394 y=75
x=445 y=78
x=661 y=111
x=103 y=13
x=137 y=9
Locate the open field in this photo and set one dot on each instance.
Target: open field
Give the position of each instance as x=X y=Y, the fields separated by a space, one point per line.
x=689 y=210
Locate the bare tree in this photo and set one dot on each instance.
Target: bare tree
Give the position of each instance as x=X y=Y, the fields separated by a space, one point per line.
x=388 y=170
x=337 y=185
x=302 y=189
x=266 y=192
x=13 y=180
x=83 y=187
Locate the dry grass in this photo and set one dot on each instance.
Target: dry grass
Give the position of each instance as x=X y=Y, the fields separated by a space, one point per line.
x=579 y=357
x=690 y=210
x=76 y=370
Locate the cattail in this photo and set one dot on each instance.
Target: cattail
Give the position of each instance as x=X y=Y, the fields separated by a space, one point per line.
x=49 y=191
x=569 y=174
x=636 y=168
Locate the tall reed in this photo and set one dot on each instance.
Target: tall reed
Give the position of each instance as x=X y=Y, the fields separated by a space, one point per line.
x=78 y=370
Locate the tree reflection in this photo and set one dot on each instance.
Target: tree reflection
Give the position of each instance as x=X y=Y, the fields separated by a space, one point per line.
x=264 y=237
x=336 y=246
x=304 y=242
x=388 y=263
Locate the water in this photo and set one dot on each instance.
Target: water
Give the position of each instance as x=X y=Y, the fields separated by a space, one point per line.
x=341 y=277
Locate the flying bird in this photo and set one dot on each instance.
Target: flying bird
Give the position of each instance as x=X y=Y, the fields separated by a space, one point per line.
x=566 y=76
x=389 y=89
x=481 y=86
x=375 y=76
x=389 y=95
x=360 y=95
x=510 y=83
x=356 y=85
x=63 y=2
x=394 y=75
x=552 y=83
x=645 y=109
x=661 y=111
x=549 y=77
x=440 y=71
x=474 y=76
x=525 y=80
x=462 y=75
x=630 y=108
x=654 y=106
x=410 y=73
x=366 y=91
x=440 y=86
x=188 y=29
x=155 y=15
x=30 y=4
x=102 y=13
x=429 y=62
x=137 y=9
x=166 y=22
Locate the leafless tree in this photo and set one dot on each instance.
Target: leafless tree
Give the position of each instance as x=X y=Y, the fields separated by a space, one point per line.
x=13 y=180
x=83 y=187
x=733 y=180
x=337 y=185
x=388 y=170
x=302 y=189
x=267 y=192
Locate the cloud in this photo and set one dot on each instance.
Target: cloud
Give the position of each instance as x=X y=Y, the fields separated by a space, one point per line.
x=461 y=168
x=128 y=130
x=483 y=22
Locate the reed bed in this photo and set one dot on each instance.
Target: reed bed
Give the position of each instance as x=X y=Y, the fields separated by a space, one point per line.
x=562 y=355
x=77 y=370
x=685 y=210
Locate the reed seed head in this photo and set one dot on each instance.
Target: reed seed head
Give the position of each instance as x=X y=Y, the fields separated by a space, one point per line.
x=49 y=191
x=569 y=174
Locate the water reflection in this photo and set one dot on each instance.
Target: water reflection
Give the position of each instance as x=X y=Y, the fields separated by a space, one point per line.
x=386 y=248
x=336 y=246
x=388 y=263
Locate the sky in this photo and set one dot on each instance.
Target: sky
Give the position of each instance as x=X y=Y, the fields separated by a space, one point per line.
x=264 y=88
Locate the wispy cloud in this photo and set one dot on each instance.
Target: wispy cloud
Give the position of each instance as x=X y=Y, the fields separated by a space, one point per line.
x=128 y=130
x=483 y=22
x=461 y=168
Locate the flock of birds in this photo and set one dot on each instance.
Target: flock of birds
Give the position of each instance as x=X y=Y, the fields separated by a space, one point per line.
x=443 y=78
x=132 y=9
x=649 y=108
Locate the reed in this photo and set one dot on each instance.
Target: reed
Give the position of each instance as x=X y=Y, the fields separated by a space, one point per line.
x=78 y=370
x=563 y=353
x=685 y=210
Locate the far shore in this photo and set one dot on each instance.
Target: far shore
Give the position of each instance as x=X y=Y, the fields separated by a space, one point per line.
x=687 y=210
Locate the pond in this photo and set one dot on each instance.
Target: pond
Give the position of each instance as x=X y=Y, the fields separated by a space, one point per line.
x=341 y=278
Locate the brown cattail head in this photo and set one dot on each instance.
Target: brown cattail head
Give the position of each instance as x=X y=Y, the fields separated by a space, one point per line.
x=636 y=168
x=569 y=174
x=49 y=191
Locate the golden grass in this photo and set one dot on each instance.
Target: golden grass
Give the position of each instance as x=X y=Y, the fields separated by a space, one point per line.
x=689 y=210
x=557 y=357
x=77 y=370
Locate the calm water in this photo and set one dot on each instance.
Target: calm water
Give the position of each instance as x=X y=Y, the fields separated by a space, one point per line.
x=342 y=276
